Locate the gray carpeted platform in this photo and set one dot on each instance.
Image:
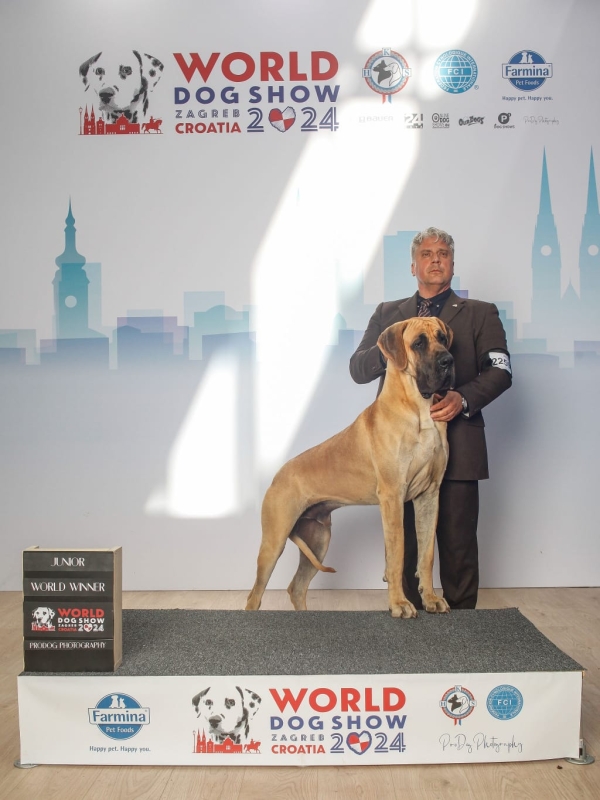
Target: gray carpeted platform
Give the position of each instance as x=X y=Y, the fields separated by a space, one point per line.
x=186 y=642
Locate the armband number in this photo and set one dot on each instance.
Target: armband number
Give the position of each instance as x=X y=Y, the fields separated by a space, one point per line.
x=500 y=360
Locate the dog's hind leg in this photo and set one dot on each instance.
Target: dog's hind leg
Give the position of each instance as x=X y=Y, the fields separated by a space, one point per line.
x=316 y=533
x=279 y=516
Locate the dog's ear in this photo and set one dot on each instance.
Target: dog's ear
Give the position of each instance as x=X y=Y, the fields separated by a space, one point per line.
x=84 y=68
x=152 y=68
x=391 y=344
x=196 y=699
x=448 y=331
x=250 y=700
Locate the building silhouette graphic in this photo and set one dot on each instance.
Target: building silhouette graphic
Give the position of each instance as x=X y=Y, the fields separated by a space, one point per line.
x=589 y=258
x=202 y=744
x=545 y=263
x=564 y=319
x=75 y=343
x=560 y=322
x=99 y=127
x=397 y=279
x=70 y=288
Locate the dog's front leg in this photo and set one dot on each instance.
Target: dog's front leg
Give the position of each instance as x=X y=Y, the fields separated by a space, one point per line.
x=392 y=517
x=426 y=514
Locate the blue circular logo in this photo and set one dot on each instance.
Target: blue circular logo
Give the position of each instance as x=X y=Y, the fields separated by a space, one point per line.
x=504 y=702
x=455 y=71
x=527 y=70
x=119 y=716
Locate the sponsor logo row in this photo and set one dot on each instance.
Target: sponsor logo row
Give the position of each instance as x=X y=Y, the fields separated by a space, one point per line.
x=455 y=71
x=307 y=722
x=442 y=120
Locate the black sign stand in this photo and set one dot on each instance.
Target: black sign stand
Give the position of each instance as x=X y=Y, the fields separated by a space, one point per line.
x=72 y=610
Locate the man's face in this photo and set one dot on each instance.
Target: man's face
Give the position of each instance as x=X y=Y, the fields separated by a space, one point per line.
x=433 y=267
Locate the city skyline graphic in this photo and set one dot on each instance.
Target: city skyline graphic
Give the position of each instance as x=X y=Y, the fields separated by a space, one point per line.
x=90 y=125
x=561 y=322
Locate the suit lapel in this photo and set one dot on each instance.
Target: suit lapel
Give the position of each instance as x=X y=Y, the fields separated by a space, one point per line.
x=451 y=308
x=408 y=308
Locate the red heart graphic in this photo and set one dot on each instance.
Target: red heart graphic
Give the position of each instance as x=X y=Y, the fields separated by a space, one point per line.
x=359 y=743
x=282 y=120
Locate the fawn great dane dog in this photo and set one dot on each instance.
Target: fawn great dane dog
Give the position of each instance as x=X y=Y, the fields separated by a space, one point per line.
x=393 y=452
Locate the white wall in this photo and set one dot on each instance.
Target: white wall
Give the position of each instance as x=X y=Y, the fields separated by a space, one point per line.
x=170 y=458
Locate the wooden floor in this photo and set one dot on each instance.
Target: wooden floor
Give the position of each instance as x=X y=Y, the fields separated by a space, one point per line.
x=569 y=617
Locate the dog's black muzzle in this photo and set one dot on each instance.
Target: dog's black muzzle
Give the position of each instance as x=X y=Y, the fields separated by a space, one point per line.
x=437 y=376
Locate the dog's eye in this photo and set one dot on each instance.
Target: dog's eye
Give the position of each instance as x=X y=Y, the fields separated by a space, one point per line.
x=99 y=71
x=124 y=72
x=442 y=339
x=208 y=703
x=229 y=703
x=419 y=343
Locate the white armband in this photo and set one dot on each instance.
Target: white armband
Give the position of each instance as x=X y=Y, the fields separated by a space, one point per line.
x=500 y=360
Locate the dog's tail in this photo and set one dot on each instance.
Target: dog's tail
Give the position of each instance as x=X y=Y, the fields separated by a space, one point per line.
x=309 y=553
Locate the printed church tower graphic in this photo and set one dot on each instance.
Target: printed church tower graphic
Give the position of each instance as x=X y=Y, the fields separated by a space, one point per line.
x=545 y=264
x=71 y=288
x=563 y=320
x=75 y=343
x=589 y=259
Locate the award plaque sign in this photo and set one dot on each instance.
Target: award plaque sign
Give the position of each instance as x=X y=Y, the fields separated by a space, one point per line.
x=72 y=612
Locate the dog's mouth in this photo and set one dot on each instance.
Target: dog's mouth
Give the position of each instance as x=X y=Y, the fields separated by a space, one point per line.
x=440 y=382
x=441 y=393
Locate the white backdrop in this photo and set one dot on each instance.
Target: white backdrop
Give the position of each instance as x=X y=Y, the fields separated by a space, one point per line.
x=232 y=270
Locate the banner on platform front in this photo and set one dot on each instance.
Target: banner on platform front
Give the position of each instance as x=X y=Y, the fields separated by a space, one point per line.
x=300 y=720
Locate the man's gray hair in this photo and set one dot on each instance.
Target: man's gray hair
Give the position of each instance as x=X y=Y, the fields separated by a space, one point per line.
x=428 y=233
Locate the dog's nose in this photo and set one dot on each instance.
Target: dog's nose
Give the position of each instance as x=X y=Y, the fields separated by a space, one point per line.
x=446 y=361
x=214 y=721
x=107 y=95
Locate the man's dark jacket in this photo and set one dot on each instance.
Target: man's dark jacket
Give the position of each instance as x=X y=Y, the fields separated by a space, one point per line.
x=477 y=331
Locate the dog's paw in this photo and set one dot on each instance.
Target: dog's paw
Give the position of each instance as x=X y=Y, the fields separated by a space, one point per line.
x=252 y=603
x=404 y=610
x=436 y=605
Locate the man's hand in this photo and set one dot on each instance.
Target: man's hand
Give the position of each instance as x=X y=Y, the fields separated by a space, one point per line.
x=446 y=408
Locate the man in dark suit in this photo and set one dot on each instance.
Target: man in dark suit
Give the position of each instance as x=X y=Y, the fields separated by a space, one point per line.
x=483 y=372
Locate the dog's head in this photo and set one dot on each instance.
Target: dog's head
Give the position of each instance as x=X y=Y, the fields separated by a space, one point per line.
x=121 y=80
x=227 y=712
x=43 y=615
x=420 y=346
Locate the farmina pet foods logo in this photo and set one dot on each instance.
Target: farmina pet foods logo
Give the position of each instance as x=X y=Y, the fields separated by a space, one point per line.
x=527 y=70
x=386 y=72
x=119 y=716
x=455 y=71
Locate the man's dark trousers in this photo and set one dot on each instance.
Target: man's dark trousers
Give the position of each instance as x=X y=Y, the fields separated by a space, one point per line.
x=457 y=545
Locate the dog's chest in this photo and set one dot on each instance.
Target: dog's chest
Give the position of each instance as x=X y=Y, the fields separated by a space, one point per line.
x=432 y=441
x=428 y=462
